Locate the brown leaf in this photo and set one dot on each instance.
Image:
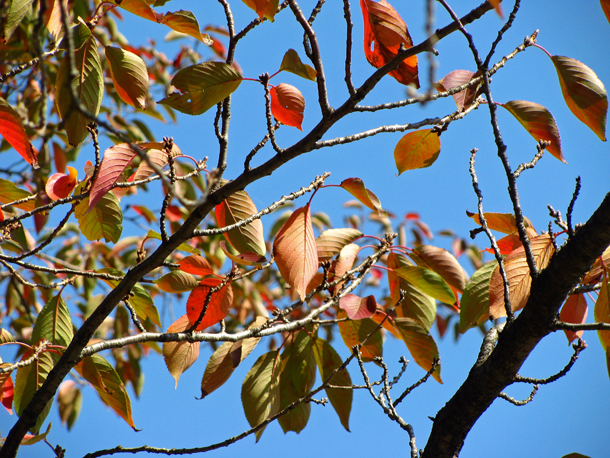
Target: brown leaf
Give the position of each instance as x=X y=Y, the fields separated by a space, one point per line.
x=179 y=356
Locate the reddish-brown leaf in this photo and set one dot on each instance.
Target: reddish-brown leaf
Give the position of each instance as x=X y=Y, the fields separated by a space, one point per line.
x=14 y=133
x=501 y=222
x=355 y=186
x=384 y=34
x=287 y=105
x=218 y=308
x=294 y=249
x=465 y=98
x=179 y=356
x=417 y=150
x=443 y=263
x=574 y=311
x=539 y=122
x=61 y=185
x=358 y=307
x=196 y=265
x=606 y=7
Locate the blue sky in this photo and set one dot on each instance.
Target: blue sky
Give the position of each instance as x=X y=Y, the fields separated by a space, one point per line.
x=567 y=416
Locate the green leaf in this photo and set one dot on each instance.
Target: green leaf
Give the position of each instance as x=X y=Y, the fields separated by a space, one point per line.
x=353 y=332
x=420 y=343
x=176 y=281
x=474 y=306
x=328 y=360
x=12 y=17
x=129 y=75
x=104 y=220
x=583 y=92
x=89 y=86
x=31 y=440
x=260 y=392
x=54 y=323
x=14 y=133
x=99 y=373
x=182 y=247
x=417 y=150
x=27 y=381
x=292 y=63
x=427 y=281
x=202 y=86
x=10 y=193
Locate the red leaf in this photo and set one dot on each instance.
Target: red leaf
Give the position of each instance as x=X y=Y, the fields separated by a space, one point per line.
x=196 y=265
x=13 y=132
x=574 y=311
x=7 y=393
x=384 y=27
x=358 y=307
x=61 y=185
x=173 y=213
x=218 y=309
x=287 y=105
x=294 y=249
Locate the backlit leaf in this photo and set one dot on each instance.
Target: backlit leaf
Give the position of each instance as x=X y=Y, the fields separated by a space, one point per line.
x=574 y=311
x=501 y=222
x=89 y=85
x=420 y=343
x=140 y=8
x=102 y=376
x=328 y=360
x=54 y=323
x=14 y=133
x=596 y=270
x=182 y=247
x=218 y=308
x=345 y=261
x=294 y=249
x=7 y=389
x=104 y=220
x=249 y=258
x=358 y=307
x=583 y=92
x=417 y=150
x=260 y=392
x=235 y=208
x=196 y=265
x=60 y=185
x=28 y=379
x=355 y=186
x=186 y=22
x=264 y=8
x=539 y=122
x=331 y=241
x=176 y=281
x=69 y=400
x=474 y=306
x=428 y=282
x=518 y=275
x=497 y=4
x=511 y=242
x=12 y=16
x=202 y=86
x=354 y=332
x=129 y=75
x=384 y=34
x=179 y=356
x=292 y=63
x=10 y=193
x=287 y=105
x=30 y=439
x=601 y=311
x=465 y=98
x=443 y=263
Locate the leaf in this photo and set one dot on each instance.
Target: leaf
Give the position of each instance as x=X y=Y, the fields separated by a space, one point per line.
x=417 y=150
x=54 y=323
x=260 y=392
x=89 y=86
x=102 y=376
x=105 y=220
x=518 y=275
x=456 y=78
x=355 y=332
x=179 y=356
x=29 y=439
x=219 y=305
x=176 y=281
x=69 y=400
x=7 y=390
x=511 y=242
x=202 y=86
x=287 y=105
x=583 y=92
x=601 y=312
x=428 y=282
x=328 y=360
x=474 y=306
x=387 y=32
x=60 y=185
x=249 y=258
x=11 y=18
x=355 y=186
x=358 y=307
x=10 y=193
x=294 y=249
x=420 y=343
x=186 y=22
x=264 y=8
x=501 y=222
x=226 y=358
x=443 y=263
x=332 y=241
x=140 y=8
x=129 y=75
x=596 y=270
x=345 y=261
x=14 y=133
x=297 y=376
x=196 y=265
x=292 y=63
x=574 y=311
x=606 y=8
x=235 y=208
x=182 y=247
x=539 y=122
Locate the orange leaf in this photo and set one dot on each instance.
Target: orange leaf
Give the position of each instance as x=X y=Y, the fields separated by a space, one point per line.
x=287 y=105
x=129 y=76
x=417 y=150
x=387 y=32
x=355 y=186
x=358 y=307
x=574 y=311
x=141 y=8
x=294 y=249
x=501 y=222
x=179 y=356
x=511 y=242
x=61 y=185
x=14 y=133
x=264 y=8
x=539 y=122
x=218 y=308
x=497 y=7
x=196 y=265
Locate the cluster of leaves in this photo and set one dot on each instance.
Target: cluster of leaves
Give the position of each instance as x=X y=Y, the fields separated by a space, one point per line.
x=307 y=277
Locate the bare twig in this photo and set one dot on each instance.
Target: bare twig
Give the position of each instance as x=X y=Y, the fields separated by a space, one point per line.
x=516 y=402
